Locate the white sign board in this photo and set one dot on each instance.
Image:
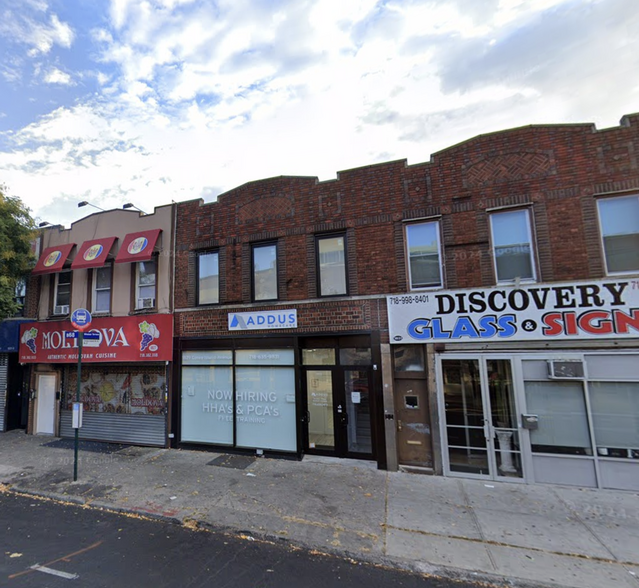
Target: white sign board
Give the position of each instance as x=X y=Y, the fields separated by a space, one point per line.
x=266 y=319
x=537 y=312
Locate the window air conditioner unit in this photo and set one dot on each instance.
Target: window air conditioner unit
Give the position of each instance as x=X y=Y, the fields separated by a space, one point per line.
x=61 y=309
x=563 y=369
x=146 y=302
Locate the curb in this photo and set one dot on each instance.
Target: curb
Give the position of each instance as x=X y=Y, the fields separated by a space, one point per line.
x=423 y=568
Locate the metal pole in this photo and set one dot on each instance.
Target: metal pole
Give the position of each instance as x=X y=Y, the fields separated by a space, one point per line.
x=77 y=399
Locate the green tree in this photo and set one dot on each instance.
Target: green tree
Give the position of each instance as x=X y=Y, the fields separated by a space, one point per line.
x=17 y=231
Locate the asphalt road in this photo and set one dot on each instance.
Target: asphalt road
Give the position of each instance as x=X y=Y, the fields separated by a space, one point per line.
x=76 y=546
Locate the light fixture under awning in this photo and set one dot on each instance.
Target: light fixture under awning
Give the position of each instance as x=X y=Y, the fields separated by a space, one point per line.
x=53 y=258
x=138 y=246
x=93 y=253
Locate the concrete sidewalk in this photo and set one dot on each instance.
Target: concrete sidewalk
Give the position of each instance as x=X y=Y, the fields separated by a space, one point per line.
x=501 y=532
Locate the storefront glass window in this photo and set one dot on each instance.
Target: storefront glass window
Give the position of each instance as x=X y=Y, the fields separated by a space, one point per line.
x=248 y=403
x=615 y=416
x=206 y=357
x=265 y=408
x=207 y=405
x=355 y=356
x=563 y=426
x=120 y=392
x=318 y=356
x=321 y=430
x=265 y=357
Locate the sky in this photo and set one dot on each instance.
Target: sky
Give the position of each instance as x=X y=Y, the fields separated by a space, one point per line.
x=153 y=101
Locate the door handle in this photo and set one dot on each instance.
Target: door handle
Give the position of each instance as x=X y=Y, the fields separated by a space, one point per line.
x=399 y=425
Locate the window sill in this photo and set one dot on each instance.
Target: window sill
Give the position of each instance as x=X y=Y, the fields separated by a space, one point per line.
x=137 y=311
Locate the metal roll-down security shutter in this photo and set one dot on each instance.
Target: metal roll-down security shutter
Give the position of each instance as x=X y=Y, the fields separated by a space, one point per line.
x=124 y=403
x=4 y=366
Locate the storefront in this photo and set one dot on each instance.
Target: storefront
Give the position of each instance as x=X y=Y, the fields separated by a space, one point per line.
x=14 y=397
x=286 y=395
x=533 y=384
x=123 y=384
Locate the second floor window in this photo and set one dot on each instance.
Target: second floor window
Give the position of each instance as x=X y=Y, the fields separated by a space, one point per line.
x=62 y=292
x=265 y=272
x=208 y=285
x=424 y=265
x=619 y=222
x=331 y=253
x=101 y=302
x=512 y=245
x=145 y=278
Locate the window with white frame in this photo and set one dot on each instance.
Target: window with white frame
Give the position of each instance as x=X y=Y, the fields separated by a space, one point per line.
x=62 y=292
x=512 y=245
x=331 y=256
x=619 y=222
x=264 y=264
x=145 y=275
x=208 y=287
x=424 y=260
x=101 y=302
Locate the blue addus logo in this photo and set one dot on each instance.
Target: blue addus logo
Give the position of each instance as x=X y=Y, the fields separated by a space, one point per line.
x=487 y=326
x=266 y=320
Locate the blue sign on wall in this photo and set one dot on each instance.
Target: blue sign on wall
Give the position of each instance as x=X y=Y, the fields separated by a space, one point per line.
x=10 y=335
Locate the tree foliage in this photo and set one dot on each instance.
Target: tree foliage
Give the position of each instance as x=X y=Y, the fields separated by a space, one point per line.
x=17 y=232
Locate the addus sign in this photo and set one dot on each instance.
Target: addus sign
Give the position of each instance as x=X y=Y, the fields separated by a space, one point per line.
x=579 y=310
x=269 y=319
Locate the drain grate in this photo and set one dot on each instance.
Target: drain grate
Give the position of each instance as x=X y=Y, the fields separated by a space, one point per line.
x=236 y=462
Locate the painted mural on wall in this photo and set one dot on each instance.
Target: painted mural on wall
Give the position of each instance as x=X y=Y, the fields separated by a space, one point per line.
x=118 y=393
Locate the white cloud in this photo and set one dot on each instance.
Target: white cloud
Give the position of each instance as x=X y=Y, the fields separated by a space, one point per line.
x=56 y=76
x=39 y=35
x=194 y=98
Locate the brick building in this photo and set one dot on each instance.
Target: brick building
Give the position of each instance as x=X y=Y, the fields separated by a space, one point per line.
x=285 y=288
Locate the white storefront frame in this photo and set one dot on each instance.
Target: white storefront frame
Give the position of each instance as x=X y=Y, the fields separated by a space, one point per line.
x=490 y=442
x=580 y=470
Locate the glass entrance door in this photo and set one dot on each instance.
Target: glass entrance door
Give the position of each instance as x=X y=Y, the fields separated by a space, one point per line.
x=480 y=418
x=338 y=414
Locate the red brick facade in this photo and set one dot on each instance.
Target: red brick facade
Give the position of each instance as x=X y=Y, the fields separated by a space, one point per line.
x=554 y=170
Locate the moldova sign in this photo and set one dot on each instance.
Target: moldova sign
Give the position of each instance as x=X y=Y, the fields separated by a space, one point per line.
x=538 y=312
x=128 y=338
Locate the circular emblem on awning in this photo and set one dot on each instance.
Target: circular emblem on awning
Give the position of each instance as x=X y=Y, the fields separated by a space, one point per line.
x=137 y=245
x=93 y=252
x=52 y=258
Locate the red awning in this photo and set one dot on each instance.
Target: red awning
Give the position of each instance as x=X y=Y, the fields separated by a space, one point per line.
x=53 y=258
x=93 y=253
x=138 y=246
